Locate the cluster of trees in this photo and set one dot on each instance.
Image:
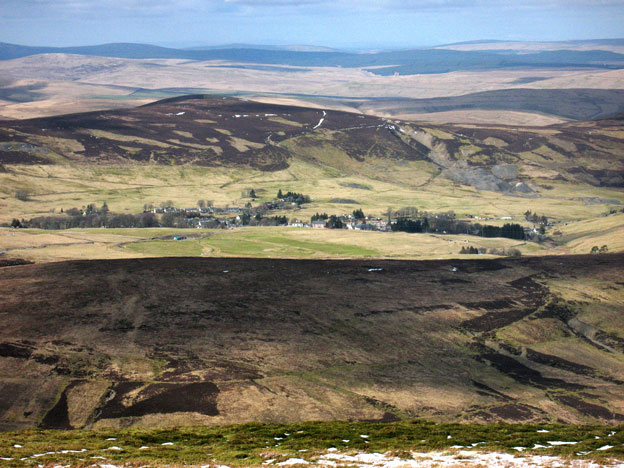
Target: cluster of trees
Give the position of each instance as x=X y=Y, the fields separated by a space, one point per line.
x=509 y=230
x=447 y=224
x=293 y=197
x=358 y=214
x=603 y=249
x=469 y=250
x=334 y=222
x=512 y=252
x=94 y=220
x=535 y=218
x=258 y=220
x=319 y=216
x=410 y=225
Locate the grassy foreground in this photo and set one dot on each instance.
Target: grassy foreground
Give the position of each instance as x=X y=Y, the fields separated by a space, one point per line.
x=252 y=444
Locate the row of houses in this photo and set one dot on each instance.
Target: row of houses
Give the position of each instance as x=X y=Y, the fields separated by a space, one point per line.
x=368 y=224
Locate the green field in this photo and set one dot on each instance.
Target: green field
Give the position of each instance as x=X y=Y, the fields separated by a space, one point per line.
x=259 y=242
x=255 y=444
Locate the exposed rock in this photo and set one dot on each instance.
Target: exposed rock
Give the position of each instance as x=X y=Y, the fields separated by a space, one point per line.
x=481 y=179
x=505 y=171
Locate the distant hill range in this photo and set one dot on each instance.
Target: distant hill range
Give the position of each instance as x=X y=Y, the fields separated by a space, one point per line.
x=402 y=62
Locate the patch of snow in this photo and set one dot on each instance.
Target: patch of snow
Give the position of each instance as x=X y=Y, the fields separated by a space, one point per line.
x=346 y=440
x=519 y=449
x=167 y=443
x=558 y=442
x=375 y=269
x=611 y=434
x=278 y=438
x=303 y=450
x=318 y=124
x=543 y=431
x=294 y=461
x=112 y=438
x=143 y=447
x=536 y=446
x=364 y=436
x=605 y=447
x=37 y=455
x=457 y=446
x=74 y=451
x=226 y=271
x=454 y=269
x=445 y=459
x=237 y=116
x=114 y=447
x=6 y=458
x=181 y=113
x=270 y=115
x=17 y=446
x=449 y=436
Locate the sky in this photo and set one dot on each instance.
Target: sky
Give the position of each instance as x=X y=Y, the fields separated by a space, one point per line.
x=345 y=24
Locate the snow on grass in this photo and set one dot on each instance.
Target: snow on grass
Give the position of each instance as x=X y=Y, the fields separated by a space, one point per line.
x=167 y=443
x=294 y=461
x=605 y=447
x=559 y=442
x=463 y=458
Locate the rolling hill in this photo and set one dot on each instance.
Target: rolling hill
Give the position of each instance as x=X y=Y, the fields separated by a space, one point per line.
x=179 y=341
x=226 y=132
x=403 y=62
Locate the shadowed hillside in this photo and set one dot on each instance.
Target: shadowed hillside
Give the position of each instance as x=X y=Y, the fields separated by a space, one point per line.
x=205 y=341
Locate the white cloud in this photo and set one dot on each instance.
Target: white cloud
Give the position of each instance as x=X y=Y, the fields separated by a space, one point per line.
x=125 y=8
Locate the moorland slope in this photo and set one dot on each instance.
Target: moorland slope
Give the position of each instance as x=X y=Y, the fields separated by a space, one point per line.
x=205 y=341
x=230 y=132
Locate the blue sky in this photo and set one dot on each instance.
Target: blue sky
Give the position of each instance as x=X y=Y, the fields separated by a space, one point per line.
x=332 y=23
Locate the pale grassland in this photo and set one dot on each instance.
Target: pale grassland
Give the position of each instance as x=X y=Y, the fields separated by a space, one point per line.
x=265 y=242
x=324 y=173
x=581 y=236
x=126 y=188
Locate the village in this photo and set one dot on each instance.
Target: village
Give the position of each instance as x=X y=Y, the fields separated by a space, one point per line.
x=283 y=210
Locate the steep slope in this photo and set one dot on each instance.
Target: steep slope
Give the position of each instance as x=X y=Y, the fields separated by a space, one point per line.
x=205 y=341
